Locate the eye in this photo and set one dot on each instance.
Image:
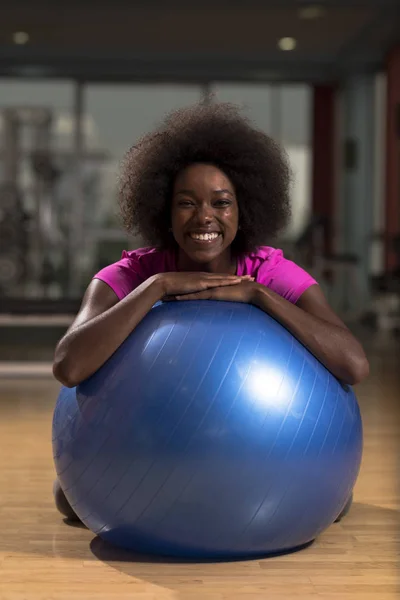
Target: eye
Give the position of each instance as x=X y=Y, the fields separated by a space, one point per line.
x=222 y=203
x=185 y=203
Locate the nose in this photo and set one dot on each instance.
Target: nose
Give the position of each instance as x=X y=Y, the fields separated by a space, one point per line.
x=205 y=214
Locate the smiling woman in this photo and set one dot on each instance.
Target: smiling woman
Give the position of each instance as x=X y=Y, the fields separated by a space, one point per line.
x=247 y=163
x=206 y=190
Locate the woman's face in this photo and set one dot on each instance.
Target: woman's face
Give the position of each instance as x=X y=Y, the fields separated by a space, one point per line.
x=204 y=214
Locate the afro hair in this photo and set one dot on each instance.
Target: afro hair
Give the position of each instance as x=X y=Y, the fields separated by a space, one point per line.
x=217 y=134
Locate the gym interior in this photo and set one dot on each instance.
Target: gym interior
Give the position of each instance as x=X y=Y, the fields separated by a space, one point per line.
x=79 y=85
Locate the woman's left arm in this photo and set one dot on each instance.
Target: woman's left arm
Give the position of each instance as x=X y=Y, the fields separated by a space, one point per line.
x=312 y=321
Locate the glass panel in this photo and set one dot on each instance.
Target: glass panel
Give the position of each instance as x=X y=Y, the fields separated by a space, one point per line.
x=296 y=137
x=256 y=100
x=36 y=143
x=60 y=149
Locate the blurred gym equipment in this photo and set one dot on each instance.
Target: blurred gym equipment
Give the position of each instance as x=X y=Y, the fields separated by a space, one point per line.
x=38 y=216
x=309 y=250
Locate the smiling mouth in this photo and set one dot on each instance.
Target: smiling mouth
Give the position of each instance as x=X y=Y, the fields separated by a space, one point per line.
x=205 y=238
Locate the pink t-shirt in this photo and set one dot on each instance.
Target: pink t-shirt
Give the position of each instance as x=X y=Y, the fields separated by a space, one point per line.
x=267 y=265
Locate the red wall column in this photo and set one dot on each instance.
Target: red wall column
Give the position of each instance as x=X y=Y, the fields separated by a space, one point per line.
x=392 y=201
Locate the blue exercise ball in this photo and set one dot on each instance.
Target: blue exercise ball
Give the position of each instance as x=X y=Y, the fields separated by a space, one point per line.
x=210 y=432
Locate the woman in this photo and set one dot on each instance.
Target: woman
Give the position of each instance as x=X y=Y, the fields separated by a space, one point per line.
x=206 y=191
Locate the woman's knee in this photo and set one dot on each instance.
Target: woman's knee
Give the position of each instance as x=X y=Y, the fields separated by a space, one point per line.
x=62 y=504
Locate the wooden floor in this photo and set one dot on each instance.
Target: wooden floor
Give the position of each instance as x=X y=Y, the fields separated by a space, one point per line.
x=42 y=558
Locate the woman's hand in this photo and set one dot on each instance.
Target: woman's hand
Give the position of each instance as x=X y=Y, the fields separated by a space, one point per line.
x=178 y=284
x=244 y=292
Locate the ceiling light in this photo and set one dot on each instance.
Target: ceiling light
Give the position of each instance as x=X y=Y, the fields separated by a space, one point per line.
x=313 y=11
x=21 y=38
x=287 y=43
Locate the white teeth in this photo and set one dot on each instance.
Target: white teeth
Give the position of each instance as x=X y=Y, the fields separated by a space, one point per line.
x=204 y=236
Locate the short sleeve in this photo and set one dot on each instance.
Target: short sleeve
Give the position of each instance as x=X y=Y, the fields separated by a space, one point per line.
x=122 y=276
x=284 y=277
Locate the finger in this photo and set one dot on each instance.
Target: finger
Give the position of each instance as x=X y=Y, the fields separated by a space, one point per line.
x=222 y=283
x=219 y=276
x=206 y=295
x=224 y=275
x=236 y=278
x=242 y=279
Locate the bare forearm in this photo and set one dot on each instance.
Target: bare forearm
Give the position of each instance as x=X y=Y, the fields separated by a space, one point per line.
x=87 y=347
x=334 y=346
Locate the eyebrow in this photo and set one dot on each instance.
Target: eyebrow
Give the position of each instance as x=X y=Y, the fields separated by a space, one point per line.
x=191 y=192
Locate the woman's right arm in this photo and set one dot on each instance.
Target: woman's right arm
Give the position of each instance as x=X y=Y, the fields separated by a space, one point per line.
x=104 y=322
x=100 y=327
